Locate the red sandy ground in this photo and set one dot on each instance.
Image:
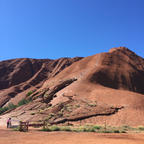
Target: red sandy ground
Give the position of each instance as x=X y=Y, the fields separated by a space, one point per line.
x=37 y=137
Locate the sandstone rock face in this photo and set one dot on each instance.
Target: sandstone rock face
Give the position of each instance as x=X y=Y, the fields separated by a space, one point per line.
x=120 y=69
x=18 y=75
x=103 y=87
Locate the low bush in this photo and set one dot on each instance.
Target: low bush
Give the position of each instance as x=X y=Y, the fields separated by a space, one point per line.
x=6 y=108
x=116 y=131
x=11 y=106
x=65 y=128
x=22 y=102
x=3 y=109
x=33 y=113
x=54 y=128
x=141 y=128
x=97 y=127
x=16 y=129
x=30 y=93
x=51 y=128
x=84 y=128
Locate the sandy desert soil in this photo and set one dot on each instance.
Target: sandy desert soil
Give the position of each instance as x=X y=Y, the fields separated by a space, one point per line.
x=37 y=137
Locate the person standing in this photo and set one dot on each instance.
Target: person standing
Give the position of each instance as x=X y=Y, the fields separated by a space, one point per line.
x=9 y=123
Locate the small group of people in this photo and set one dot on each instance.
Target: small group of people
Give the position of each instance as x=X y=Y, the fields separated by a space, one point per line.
x=9 y=123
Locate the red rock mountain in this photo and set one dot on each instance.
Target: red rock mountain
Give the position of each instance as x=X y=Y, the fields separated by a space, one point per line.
x=18 y=75
x=103 y=87
x=121 y=69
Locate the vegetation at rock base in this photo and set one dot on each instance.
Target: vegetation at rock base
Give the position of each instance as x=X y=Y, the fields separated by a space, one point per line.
x=23 y=102
x=141 y=128
x=92 y=128
x=11 y=106
x=84 y=128
x=30 y=93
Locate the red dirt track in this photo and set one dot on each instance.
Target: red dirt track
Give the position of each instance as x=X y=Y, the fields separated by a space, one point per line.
x=37 y=137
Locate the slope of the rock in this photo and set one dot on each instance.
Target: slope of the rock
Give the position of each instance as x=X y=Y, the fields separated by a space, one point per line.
x=114 y=79
x=99 y=88
x=120 y=69
x=18 y=75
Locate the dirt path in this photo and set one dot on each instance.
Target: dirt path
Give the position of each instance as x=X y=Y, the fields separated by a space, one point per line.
x=37 y=137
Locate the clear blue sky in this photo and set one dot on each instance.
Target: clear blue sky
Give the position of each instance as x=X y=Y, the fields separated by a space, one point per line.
x=68 y=28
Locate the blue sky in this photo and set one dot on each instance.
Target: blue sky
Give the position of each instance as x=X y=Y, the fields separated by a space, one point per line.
x=69 y=28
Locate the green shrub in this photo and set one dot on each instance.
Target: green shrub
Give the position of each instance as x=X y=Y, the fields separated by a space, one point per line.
x=85 y=128
x=126 y=127
x=30 y=93
x=16 y=129
x=54 y=128
x=23 y=102
x=3 y=109
x=51 y=128
x=91 y=129
x=116 y=131
x=141 y=128
x=92 y=105
x=97 y=127
x=45 y=129
x=33 y=113
x=11 y=106
x=107 y=131
x=65 y=128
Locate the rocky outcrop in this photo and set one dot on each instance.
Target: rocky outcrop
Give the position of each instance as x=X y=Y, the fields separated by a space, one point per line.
x=51 y=93
x=18 y=75
x=103 y=87
x=120 y=69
